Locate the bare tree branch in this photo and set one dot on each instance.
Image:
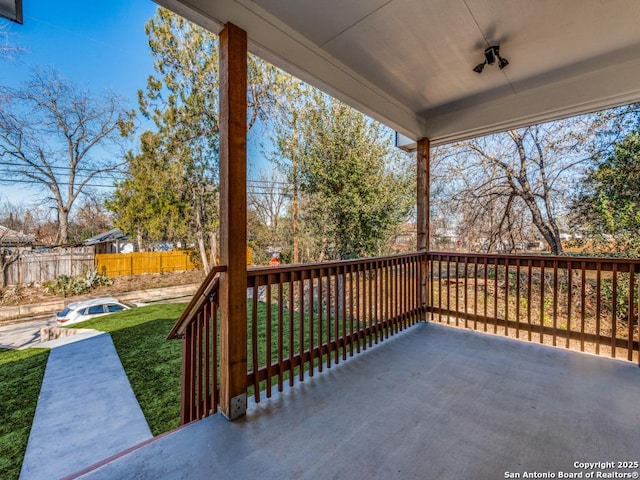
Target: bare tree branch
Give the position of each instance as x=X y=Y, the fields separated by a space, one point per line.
x=513 y=187
x=57 y=135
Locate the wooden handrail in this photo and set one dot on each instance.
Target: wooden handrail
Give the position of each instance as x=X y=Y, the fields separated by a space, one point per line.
x=591 y=263
x=584 y=303
x=301 y=267
x=209 y=286
x=313 y=315
x=304 y=318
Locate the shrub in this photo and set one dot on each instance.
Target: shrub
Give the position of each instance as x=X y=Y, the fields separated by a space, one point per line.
x=10 y=293
x=66 y=285
x=621 y=299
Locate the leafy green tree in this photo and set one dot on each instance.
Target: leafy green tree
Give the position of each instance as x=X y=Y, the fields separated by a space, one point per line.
x=151 y=201
x=608 y=207
x=182 y=101
x=354 y=186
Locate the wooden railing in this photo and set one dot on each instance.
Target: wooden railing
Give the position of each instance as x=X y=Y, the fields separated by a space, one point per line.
x=588 y=304
x=301 y=319
x=308 y=317
x=199 y=329
x=305 y=318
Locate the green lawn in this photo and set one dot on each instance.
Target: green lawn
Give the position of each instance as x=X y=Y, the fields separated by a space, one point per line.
x=21 y=373
x=153 y=364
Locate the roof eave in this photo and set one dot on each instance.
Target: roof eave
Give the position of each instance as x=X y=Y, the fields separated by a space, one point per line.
x=12 y=10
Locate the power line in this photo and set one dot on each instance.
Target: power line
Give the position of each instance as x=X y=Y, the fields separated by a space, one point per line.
x=118 y=174
x=10 y=175
x=65 y=184
x=61 y=167
x=250 y=189
x=250 y=183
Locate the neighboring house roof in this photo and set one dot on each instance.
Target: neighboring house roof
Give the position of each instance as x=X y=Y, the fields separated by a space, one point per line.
x=10 y=237
x=112 y=235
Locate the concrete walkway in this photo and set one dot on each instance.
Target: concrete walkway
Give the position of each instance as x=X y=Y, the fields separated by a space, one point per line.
x=86 y=410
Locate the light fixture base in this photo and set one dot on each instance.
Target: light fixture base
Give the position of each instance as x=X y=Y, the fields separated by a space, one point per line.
x=491 y=53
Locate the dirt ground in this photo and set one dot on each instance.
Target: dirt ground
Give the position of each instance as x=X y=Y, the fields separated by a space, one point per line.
x=27 y=294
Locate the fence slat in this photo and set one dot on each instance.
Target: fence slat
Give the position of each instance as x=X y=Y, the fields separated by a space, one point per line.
x=137 y=263
x=41 y=266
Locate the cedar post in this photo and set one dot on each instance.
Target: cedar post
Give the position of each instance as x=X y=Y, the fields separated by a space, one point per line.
x=233 y=221
x=422 y=194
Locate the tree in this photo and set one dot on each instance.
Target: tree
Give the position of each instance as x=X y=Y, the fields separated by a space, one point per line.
x=8 y=50
x=7 y=258
x=527 y=172
x=152 y=201
x=60 y=138
x=608 y=205
x=269 y=225
x=182 y=101
x=90 y=219
x=355 y=189
x=288 y=102
x=16 y=227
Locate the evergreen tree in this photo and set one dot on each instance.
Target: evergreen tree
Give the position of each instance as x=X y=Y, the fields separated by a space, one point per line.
x=354 y=186
x=608 y=207
x=182 y=101
x=151 y=202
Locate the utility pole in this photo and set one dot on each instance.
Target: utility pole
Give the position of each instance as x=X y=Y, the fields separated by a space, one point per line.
x=296 y=258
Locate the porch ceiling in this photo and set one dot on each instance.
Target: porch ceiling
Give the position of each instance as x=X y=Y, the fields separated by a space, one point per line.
x=408 y=63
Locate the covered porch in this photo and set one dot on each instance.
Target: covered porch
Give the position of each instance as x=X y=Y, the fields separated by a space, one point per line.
x=432 y=402
x=410 y=65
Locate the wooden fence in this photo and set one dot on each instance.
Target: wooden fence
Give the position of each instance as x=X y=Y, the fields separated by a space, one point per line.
x=119 y=264
x=38 y=267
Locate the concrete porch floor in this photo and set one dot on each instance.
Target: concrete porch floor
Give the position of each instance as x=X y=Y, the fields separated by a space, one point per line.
x=431 y=403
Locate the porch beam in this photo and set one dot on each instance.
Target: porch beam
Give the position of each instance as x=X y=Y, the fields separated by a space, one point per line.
x=422 y=199
x=233 y=221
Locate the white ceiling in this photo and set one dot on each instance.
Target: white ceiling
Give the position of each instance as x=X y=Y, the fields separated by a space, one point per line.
x=408 y=63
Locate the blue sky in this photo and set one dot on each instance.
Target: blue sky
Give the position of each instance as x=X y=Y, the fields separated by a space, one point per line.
x=96 y=44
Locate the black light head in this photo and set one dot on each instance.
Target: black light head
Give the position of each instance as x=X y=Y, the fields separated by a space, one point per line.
x=478 y=68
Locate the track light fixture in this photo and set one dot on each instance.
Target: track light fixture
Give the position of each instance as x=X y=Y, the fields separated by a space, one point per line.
x=490 y=55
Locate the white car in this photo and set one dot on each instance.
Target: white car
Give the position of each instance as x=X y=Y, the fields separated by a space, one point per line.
x=87 y=309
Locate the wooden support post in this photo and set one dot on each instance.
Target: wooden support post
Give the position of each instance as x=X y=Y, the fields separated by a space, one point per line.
x=422 y=197
x=233 y=221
